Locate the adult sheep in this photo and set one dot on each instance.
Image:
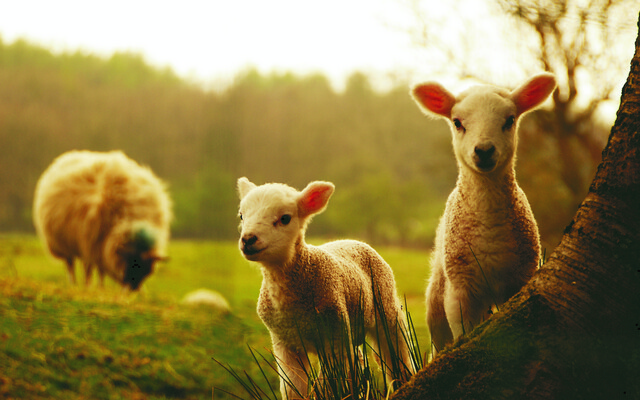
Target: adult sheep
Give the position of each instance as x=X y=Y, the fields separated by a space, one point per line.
x=106 y=210
x=304 y=286
x=487 y=244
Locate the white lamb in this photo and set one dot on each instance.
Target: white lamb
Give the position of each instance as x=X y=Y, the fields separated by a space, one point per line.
x=105 y=209
x=303 y=284
x=487 y=244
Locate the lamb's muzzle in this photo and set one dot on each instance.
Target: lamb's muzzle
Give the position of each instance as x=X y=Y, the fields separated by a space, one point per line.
x=484 y=156
x=248 y=242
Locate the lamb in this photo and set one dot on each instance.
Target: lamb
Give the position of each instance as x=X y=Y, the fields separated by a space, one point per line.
x=487 y=243
x=106 y=210
x=304 y=283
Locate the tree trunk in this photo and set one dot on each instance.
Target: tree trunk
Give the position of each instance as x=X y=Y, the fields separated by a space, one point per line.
x=573 y=332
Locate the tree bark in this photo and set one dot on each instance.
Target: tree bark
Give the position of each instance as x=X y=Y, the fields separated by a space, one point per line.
x=573 y=332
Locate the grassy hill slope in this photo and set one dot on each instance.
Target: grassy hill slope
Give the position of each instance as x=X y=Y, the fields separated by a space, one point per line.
x=60 y=341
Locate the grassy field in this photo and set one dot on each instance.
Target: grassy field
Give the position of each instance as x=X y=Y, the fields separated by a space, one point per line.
x=60 y=341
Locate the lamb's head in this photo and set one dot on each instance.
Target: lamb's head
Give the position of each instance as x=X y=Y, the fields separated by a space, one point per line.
x=484 y=119
x=133 y=250
x=274 y=218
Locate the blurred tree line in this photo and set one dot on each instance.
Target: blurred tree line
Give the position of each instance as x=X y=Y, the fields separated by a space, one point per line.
x=393 y=167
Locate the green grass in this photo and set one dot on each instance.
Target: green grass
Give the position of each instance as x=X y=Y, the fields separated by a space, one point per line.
x=61 y=341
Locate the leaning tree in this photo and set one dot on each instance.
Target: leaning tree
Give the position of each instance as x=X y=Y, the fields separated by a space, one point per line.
x=573 y=332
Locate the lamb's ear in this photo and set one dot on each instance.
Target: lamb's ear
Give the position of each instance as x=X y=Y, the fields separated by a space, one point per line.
x=432 y=98
x=314 y=198
x=533 y=92
x=244 y=187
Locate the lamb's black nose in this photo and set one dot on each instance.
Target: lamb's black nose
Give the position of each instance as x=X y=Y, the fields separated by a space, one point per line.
x=249 y=240
x=484 y=152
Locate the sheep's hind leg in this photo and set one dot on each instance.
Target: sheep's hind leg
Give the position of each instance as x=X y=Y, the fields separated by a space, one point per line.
x=101 y=277
x=71 y=272
x=88 y=272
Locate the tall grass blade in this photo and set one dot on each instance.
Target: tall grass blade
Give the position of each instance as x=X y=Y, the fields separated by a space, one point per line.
x=543 y=259
x=249 y=387
x=344 y=369
x=262 y=372
x=411 y=338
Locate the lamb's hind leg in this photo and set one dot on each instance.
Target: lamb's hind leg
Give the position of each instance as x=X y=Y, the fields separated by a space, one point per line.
x=392 y=348
x=437 y=322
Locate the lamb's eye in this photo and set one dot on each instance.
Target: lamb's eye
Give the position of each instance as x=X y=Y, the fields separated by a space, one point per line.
x=285 y=219
x=509 y=123
x=458 y=124
x=240 y=215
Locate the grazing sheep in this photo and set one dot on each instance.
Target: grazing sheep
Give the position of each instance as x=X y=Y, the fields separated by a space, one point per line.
x=487 y=244
x=303 y=284
x=105 y=209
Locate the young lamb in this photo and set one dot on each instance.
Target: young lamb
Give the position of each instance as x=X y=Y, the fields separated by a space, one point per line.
x=303 y=284
x=487 y=244
x=105 y=209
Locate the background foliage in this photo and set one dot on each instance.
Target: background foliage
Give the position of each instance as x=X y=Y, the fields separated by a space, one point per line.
x=392 y=166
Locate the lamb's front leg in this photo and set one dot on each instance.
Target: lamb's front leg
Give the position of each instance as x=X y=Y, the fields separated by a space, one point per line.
x=436 y=315
x=463 y=313
x=294 y=367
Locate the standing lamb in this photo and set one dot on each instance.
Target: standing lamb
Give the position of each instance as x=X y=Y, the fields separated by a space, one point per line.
x=487 y=244
x=105 y=209
x=303 y=284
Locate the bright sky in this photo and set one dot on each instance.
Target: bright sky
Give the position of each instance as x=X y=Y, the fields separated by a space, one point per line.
x=212 y=40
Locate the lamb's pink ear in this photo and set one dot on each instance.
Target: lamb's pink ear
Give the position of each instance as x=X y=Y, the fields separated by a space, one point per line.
x=533 y=92
x=314 y=198
x=433 y=98
x=244 y=187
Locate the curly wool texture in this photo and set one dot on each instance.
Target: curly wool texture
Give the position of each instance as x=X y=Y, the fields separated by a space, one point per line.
x=333 y=281
x=95 y=206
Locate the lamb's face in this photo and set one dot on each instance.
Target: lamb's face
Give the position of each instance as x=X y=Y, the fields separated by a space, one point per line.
x=484 y=119
x=270 y=224
x=483 y=123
